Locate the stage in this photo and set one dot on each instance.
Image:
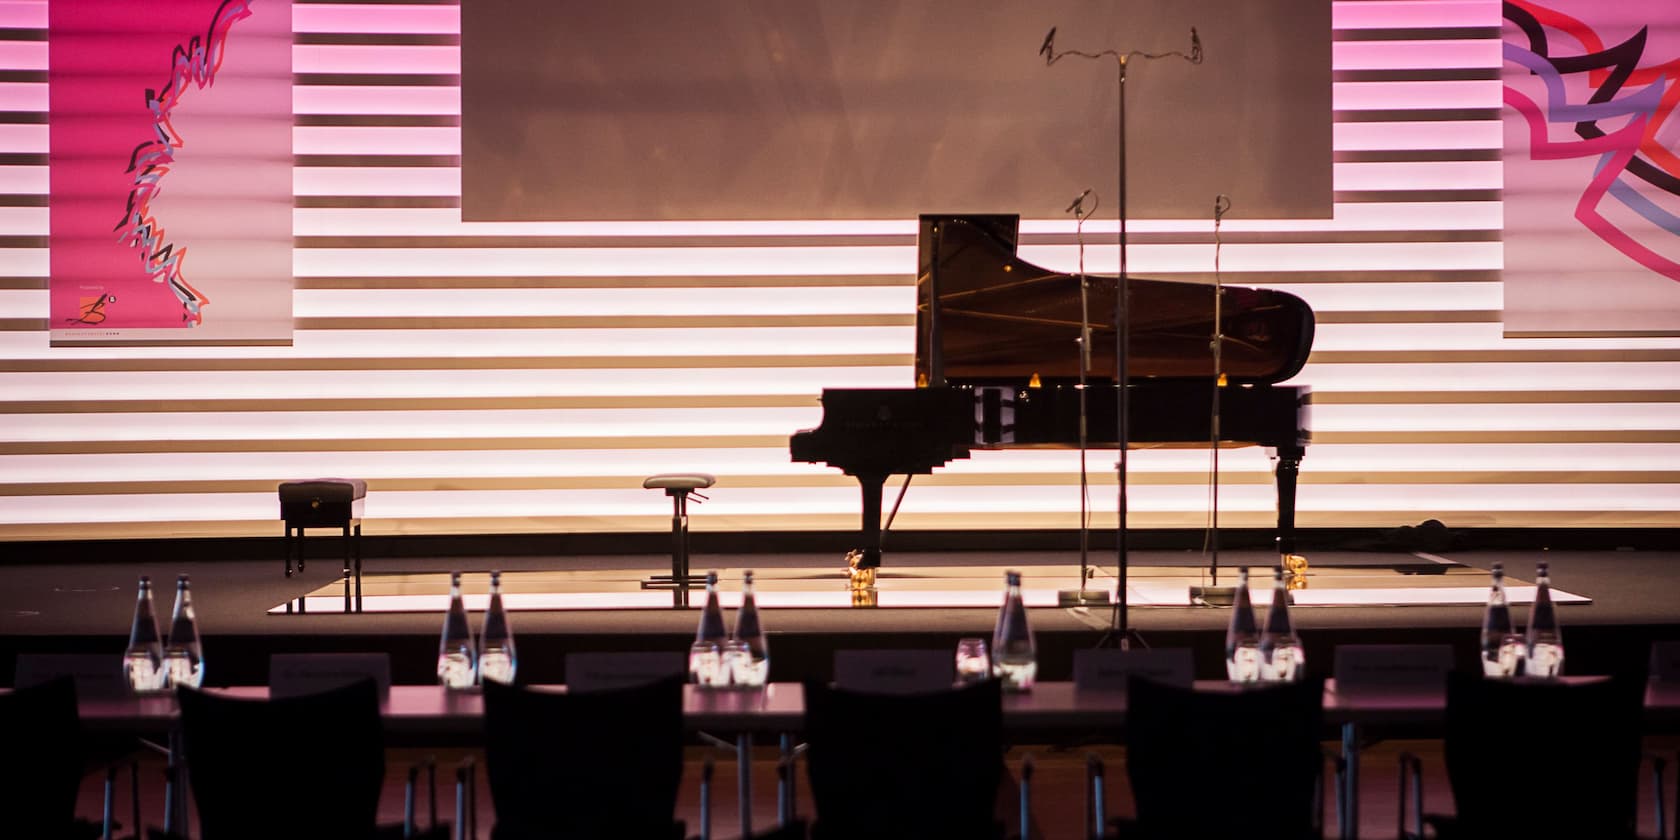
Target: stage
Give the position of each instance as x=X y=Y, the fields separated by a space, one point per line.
x=950 y=581
x=1612 y=603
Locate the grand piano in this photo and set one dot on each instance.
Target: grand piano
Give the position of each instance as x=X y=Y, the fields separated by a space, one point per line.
x=998 y=367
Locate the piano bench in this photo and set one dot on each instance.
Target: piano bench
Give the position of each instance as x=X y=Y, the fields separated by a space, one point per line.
x=326 y=503
x=678 y=486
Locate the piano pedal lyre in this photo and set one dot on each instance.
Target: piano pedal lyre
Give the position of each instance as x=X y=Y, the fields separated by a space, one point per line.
x=860 y=580
x=1295 y=571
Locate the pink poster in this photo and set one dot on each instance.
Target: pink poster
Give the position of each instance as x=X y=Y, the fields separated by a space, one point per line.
x=170 y=160
x=1592 y=168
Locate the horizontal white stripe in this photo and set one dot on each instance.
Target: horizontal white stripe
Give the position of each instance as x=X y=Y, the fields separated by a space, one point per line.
x=446 y=181
x=23 y=139
x=982 y=505
x=1415 y=55
x=23 y=14
x=1445 y=94
x=1410 y=14
x=1410 y=136
x=1482 y=336
x=1510 y=417
x=420 y=222
x=804 y=300
x=23 y=180
x=378 y=19
x=368 y=180
x=1489 y=376
x=1422 y=175
x=447 y=343
x=1252 y=463
x=372 y=140
x=23 y=55
x=376 y=58
x=813 y=299
x=163 y=385
x=879 y=260
x=376 y=99
x=23 y=96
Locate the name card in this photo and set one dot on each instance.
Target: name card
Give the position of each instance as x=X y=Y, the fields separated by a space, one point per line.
x=895 y=671
x=1416 y=668
x=603 y=671
x=95 y=674
x=1108 y=669
x=1665 y=662
x=295 y=674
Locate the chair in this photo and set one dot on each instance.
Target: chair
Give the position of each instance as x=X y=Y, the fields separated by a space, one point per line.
x=1537 y=759
x=41 y=762
x=308 y=766
x=905 y=765
x=584 y=764
x=1225 y=762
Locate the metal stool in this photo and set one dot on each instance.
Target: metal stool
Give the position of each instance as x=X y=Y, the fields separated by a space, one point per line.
x=679 y=486
x=326 y=503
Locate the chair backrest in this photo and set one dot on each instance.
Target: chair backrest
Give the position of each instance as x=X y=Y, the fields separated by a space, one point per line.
x=1544 y=758
x=40 y=759
x=305 y=766
x=1225 y=763
x=586 y=764
x=905 y=765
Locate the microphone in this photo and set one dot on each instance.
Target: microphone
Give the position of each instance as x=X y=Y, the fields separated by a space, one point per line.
x=1221 y=206
x=1047 y=49
x=1195 y=45
x=1078 y=203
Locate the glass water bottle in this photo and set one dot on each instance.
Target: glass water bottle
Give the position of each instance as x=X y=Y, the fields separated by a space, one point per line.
x=1502 y=649
x=183 y=655
x=496 y=659
x=1014 y=655
x=143 y=661
x=1281 y=656
x=751 y=666
x=455 y=650
x=1242 y=637
x=705 y=656
x=1545 y=637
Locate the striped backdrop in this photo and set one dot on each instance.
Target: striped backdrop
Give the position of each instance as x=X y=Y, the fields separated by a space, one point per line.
x=525 y=377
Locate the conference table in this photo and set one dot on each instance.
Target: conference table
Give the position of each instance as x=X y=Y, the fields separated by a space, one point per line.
x=1051 y=710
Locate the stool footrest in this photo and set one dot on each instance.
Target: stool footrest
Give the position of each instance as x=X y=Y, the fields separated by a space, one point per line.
x=672 y=582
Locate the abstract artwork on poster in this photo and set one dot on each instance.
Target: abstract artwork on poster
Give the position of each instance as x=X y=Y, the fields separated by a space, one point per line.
x=1592 y=168
x=170 y=161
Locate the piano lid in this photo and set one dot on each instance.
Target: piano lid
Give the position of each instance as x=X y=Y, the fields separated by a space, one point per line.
x=983 y=315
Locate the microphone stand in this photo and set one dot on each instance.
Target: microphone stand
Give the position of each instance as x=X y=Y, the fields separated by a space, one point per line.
x=1213 y=594
x=1119 y=624
x=1083 y=597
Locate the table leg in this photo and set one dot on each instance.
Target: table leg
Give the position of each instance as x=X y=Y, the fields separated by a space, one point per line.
x=743 y=779
x=1350 y=781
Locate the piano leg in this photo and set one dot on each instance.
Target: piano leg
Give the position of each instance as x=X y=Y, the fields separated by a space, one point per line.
x=871 y=548
x=1287 y=469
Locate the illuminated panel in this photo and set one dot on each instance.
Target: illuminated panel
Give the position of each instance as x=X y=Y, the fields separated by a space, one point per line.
x=494 y=377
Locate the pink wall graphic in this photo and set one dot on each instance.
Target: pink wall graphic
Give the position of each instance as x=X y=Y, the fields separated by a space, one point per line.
x=1592 y=168
x=170 y=160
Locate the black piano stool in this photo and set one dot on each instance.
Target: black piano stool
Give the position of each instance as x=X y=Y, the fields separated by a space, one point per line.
x=326 y=503
x=679 y=486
